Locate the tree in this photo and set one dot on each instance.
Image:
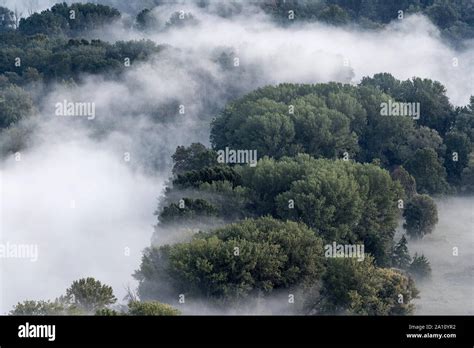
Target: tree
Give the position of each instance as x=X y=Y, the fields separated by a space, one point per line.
x=195 y=178
x=107 y=312
x=146 y=20
x=56 y=307
x=15 y=104
x=436 y=111
x=194 y=157
x=340 y=200
x=401 y=257
x=7 y=19
x=334 y=14
x=90 y=294
x=428 y=172
x=63 y=19
x=151 y=308
x=385 y=82
x=234 y=261
x=405 y=179
x=286 y=120
x=467 y=176
x=328 y=201
x=456 y=158
x=465 y=120
x=180 y=20
x=420 y=267
x=353 y=287
x=421 y=216
x=193 y=209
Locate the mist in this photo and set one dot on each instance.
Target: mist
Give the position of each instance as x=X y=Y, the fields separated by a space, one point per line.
x=76 y=197
x=449 y=291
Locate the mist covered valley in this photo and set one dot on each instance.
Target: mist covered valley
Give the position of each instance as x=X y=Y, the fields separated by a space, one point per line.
x=85 y=190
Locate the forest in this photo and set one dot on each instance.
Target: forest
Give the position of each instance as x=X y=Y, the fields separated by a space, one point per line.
x=230 y=236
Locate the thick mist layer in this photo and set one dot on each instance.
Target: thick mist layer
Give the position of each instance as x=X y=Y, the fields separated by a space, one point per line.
x=311 y=53
x=86 y=211
x=449 y=291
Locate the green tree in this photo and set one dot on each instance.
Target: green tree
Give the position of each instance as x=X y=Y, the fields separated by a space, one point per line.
x=401 y=257
x=107 y=312
x=195 y=178
x=194 y=157
x=64 y=19
x=90 y=294
x=467 y=176
x=193 y=209
x=436 y=111
x=428 y=172
x=288 y=119
x=56 y=307
x=353 y=287
x=420 y=267
x=234 y=261
x=340 y=200
x=151 y=308
x=456 y=158
x=421 y=216
x=328 y=201
x=405 y=179
x=465 y=120
x=15 y=104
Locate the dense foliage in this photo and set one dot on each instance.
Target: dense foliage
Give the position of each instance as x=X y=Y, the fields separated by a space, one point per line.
x=237 y=260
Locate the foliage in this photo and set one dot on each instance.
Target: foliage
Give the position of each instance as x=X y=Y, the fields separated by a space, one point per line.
x=420 y=215
x=107 y=312
x=15 y=104
x=151 y=308
x=181 y=19
x=401 y=257
x=353 y=287
x=234 y=261
x=194 y=157
x=405 y=179
x=63 y=19
x=146 y=20
x=90 y=294
x=420 y=267
x=458 y=147
x=195 y=178
x=56 y=307
x=342 y=201
x=193 y=209
x=7 y=19
x=428 y=171
x=51 y=58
